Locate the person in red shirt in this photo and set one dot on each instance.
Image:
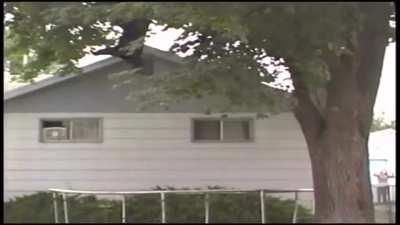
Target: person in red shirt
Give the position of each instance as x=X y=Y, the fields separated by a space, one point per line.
x=383 y=186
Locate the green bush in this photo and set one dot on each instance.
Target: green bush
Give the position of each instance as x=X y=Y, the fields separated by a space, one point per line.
x=180 y=208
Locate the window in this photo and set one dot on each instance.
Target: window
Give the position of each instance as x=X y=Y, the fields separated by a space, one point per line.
x=236 y=130
x=70 y=130
x=207 y=130
x=216 y=130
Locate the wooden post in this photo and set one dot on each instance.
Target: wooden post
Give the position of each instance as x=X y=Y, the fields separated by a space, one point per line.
x=295 y=206
x=65 y=208
x=206 y=208
x=163 y=207
x=55 y=207
x=262 y=200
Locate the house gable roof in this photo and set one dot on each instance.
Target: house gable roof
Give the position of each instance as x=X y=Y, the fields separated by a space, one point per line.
x=168 y=56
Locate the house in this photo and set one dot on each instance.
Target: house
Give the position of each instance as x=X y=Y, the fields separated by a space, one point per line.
x=77 y=132
x=382 y=155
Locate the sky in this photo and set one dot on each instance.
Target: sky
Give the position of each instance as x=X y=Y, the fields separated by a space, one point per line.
x=386 y=98
x=384 y=105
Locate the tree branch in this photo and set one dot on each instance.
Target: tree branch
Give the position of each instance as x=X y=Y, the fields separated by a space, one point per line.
x=107 y=51
x=306 y=112
x=132 y=31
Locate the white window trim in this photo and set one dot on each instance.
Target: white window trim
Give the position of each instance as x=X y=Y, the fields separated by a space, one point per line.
x=221 y=140
x=99 y=139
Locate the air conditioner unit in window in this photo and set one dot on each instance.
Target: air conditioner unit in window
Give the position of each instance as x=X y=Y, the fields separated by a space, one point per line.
x=54 y=133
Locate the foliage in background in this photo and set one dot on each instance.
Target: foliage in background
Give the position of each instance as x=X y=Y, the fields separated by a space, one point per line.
x=379 y=123
x=180 y=208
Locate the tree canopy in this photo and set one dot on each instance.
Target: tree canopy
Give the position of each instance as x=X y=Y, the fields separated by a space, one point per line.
x=230 y=40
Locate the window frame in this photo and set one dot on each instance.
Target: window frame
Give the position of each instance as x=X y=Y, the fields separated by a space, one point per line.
x=221 y=120
x=99 y=139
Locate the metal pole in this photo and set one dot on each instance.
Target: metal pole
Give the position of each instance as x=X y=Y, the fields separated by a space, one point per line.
x=55 y=207
x=206 y=208
x=162 y=207
x=313 y=206
x=262 y=206
x=65 y=207
x=390 y=207
x=123 y=209
x=295 y=207
x=390 y=212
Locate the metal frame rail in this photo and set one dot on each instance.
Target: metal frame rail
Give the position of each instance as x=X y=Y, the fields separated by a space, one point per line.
x=162 y=193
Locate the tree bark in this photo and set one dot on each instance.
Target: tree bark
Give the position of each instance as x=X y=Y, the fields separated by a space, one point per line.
x=341 y=178
x=338 y=152
x=338 y=139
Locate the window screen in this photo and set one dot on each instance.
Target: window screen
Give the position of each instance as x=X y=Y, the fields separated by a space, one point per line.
x=207 y=130
x=236 y=130
x=85 y=129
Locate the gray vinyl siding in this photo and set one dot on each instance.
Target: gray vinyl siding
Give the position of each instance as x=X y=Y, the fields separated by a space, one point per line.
x=143 y=150
x=94 y=92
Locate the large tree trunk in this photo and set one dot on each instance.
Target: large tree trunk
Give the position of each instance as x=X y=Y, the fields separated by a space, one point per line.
x=337 y=135
x=341 y=176
x=338 y=149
